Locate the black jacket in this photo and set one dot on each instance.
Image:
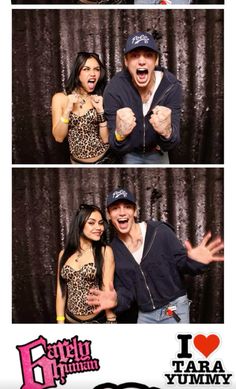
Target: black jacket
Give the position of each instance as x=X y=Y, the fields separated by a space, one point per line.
x=159 y=278
x=121 y=93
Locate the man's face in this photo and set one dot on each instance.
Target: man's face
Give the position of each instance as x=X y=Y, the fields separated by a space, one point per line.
x=141 y=64
x=122 y=215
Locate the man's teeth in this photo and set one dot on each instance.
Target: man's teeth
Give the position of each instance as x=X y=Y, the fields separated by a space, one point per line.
x=122 y=220
x=142 y=71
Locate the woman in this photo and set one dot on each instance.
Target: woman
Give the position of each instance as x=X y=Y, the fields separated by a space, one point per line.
x=86 y=262
x=79 y=112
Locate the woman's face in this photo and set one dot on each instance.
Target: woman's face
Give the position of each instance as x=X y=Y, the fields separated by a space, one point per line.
x=89 y=75
x=94 y=226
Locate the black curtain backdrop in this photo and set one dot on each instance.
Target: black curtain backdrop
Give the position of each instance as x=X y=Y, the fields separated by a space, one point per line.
x=45 y=43
x=44 y=200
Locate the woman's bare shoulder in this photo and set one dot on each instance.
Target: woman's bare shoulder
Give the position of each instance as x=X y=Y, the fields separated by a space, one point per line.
x=59 y=97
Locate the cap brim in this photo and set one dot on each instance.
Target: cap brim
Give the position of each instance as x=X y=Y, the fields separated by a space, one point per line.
x=142 y=47
x=123 y=200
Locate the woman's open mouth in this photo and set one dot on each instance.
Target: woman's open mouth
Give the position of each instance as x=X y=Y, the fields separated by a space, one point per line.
x=91 y=83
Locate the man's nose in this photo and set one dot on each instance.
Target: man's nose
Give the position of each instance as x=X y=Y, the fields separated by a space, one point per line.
x=142 y=59
x=122 y=210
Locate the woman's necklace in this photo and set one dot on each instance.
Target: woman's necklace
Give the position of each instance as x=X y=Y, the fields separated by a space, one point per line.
x=82 y=98
x=79 y=254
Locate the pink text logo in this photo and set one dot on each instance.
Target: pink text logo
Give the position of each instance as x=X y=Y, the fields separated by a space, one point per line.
x=55 y=361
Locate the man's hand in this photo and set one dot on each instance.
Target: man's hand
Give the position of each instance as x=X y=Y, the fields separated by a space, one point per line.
x=206 y=252
x=125 y=121
x=161 y=121
x=102 y=299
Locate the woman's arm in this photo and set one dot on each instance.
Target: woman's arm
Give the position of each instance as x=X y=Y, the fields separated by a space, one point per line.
x=60 y=299
x=62 y=105
x=108 y=278
x=97 y=102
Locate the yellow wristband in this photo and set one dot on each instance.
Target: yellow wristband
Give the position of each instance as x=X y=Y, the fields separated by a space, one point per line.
x=119 y=137
x=60 y=318
x=64 y=120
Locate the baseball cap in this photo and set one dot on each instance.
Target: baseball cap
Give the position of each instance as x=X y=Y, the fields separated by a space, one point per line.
x=119 y=195
x=140 y=39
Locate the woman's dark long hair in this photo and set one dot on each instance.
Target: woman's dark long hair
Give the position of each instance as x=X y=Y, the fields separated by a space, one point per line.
x=73 y=81
x=73 y=241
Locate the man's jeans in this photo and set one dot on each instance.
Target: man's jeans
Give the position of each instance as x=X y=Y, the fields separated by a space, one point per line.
x=159 y=316
x=153 y=157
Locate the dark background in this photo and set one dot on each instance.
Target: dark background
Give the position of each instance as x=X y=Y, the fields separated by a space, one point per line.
x=45 y=43
x=44 y=200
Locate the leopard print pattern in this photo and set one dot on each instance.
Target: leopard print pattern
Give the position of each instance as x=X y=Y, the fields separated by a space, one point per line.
x=83 y=136
x=79 y=282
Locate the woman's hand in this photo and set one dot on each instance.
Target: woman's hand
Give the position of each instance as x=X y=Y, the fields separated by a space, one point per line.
x=97 y=103
x=71 y=100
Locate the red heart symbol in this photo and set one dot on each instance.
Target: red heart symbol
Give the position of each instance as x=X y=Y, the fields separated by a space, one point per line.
x=206 y=344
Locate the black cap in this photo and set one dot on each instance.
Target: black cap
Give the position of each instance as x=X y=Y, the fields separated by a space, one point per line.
x=140 y=39
x=120 y=194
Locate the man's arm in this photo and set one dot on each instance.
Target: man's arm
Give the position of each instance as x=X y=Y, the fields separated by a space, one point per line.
x=119 y=298
x=165 y=119
x=194 y=260
x=121 y=121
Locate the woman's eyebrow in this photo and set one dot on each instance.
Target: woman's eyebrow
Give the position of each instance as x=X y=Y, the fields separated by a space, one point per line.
x=90 y=218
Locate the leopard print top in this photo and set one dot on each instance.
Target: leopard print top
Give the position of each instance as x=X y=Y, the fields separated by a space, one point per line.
x=83 y=136
x=79 y=282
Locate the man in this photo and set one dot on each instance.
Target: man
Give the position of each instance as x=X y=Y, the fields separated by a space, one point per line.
x=150 y=263
x=143 y=105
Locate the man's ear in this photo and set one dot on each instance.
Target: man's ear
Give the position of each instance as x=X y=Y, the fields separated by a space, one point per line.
x=125 y=61
x=157 y=60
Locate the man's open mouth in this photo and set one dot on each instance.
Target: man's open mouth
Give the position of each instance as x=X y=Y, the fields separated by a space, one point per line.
x=141 y=71
x=142 y=74
x=122 y=222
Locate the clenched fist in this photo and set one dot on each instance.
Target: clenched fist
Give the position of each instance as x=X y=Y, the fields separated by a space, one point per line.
x=97 y=103
x=71 y=100
x=125 y=121
x=161 y=120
